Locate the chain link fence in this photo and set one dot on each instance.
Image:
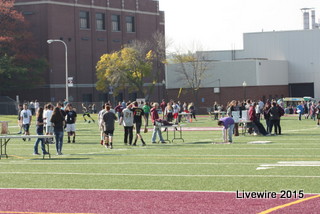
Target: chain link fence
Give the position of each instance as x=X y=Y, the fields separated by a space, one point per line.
x=8 y=106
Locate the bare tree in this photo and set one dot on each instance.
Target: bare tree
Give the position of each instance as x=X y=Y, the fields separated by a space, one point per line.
x=192 y=67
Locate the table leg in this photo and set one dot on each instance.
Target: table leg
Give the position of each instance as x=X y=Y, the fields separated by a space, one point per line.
x=48 y=150
x=167 y=133
x=4 y=147
x=167 y=139
x=174 y=134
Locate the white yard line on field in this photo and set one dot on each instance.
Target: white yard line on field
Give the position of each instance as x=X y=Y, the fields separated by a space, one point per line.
x=130 y=190
x=120 y=163
x=156 y=175
x=289 y=164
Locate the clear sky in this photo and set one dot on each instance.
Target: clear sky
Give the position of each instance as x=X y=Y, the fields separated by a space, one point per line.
x=220 y=24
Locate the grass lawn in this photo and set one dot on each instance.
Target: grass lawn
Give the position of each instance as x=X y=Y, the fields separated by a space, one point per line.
x=290 y=162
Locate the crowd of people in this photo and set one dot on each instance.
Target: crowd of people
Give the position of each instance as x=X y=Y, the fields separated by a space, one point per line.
x=271 y=112
x=309 y=110
x=130 y=116
x=49 y=120
x=55 y=120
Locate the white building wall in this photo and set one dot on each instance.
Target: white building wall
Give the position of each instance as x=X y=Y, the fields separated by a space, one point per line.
x=234 y=73
x=271 y=72
x=301 y=49
x=220 y=55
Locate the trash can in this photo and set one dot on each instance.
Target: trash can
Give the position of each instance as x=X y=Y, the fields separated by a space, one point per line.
x=4 y=127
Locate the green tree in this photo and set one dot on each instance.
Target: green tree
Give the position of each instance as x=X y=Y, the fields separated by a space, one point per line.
x=126 y=68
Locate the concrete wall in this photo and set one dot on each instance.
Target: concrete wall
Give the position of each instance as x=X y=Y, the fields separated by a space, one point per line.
x=233 y=74
x=271 y=72
x=300 y=48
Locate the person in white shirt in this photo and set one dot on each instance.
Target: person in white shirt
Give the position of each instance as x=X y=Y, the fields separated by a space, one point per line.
x=101 y=123
x=176 y=110
x=26 y=117
x=127 y=120
x=258 y=112
x=45 y=109
x=47 y=118
x=36 y=105
x=261 y=106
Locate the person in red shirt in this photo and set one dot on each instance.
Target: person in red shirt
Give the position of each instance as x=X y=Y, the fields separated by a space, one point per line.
x=257 y=125
x=163 y=105
x=156 y=126
x=119 y=108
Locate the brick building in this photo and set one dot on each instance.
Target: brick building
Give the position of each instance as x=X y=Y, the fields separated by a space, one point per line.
x=89 y=28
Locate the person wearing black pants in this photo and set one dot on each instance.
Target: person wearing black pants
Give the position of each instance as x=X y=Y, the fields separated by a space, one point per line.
x=128 y=132
x=126 y=119
x=266 y=115
x=275 y=118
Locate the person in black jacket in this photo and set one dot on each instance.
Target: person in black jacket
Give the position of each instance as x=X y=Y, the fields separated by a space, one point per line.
x=266 y=115
x=274 y=112
x=58 y=122
x=39 y=130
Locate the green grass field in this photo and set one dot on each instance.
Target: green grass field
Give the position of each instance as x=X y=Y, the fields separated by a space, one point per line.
x=290 y=162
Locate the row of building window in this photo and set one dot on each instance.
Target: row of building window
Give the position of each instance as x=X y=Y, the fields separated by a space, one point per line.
x=101 y=22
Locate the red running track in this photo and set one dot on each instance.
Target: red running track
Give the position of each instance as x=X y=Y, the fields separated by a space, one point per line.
x=122 y=201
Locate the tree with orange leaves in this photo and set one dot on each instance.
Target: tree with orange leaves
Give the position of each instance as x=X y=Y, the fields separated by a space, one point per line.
x=20 y=67
x=9 y=18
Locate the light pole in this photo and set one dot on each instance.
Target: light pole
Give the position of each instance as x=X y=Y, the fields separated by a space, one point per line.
x=244 y=84
x=164 y=89
x=66 y=55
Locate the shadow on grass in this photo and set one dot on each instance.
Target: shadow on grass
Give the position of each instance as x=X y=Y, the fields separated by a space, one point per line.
x=297 y=134
x=199 y=143
x=86 y=135
x=88 y=143
x=58 y=159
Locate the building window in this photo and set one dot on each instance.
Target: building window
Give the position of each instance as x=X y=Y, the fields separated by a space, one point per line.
x=115 y=22
x=84 y=20
x=100 y=21
x=130 y=24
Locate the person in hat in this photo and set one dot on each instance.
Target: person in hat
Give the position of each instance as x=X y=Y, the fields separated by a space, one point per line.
x=156 y=127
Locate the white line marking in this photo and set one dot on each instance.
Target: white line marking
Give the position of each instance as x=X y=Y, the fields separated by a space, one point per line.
x=158 y=175
x=131 y=190
x=196 y=156
x=191 y=156
x=125 y=190
x=300 y=162
x=293 y=163
x=289 y=164
x=260 y=168
x=259 y=142
x=121 y=163
x=27 y=147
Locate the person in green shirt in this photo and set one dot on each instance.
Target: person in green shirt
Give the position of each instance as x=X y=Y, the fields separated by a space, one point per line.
x=146 y=108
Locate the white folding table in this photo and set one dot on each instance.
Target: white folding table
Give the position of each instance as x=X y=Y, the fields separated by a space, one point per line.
x=4 y=139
